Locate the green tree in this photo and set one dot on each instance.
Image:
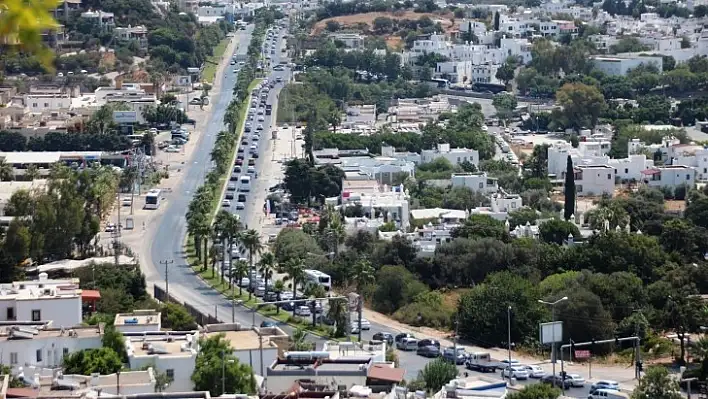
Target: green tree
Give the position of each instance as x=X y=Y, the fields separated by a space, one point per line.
x=298 y=341
x=89 y=361
x=7 y=172
x=569 y=190
x=536 y=391
x=176 y=317
x=32 y=172
x=557 y=231
x=395 y=287
x=216 y=365
x=113 y=339
x=657 y=384
x=437 y=373
x=295 y=270
x=252 y=241
x=338 y=314
x=582 y=104
x=506 y=71
x=505 y=104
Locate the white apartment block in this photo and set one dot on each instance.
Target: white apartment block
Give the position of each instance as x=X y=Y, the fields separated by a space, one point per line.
x=478 y=182
x=469 y=25
x=42 y=300
x=520 y=48
x=594 y=180
x=172 y=354
x=38 y=103
x=506 y=202
x=631 y=168
x=138 y=34
x=620 y=65
x=379 y=199
x=39 y=346
x=586 y=153
x=455 y=156
x=670 y=176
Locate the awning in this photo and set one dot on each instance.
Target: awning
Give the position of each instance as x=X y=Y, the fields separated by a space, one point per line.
x=90 y=295
x=650 y=172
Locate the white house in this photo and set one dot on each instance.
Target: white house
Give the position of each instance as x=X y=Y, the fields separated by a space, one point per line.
x=671 y=176
x=506 y=202
x=172 y=354
x=350 y=40
x=455 y=155
x=631 y=167
x=42 y=299
x=594 y=180
x=478 y=181
x=283 y=373
x=39 y=346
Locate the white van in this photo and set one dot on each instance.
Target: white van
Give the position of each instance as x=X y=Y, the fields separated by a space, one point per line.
x=408 y=344
x=607 y=394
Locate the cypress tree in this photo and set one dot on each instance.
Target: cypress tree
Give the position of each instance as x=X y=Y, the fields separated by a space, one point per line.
x=569 y=190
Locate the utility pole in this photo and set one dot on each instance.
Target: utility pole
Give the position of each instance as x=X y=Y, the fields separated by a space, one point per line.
x=359 y=305
x=454 y=339
x=167 y=262
x=508 y=321
x=116 y=234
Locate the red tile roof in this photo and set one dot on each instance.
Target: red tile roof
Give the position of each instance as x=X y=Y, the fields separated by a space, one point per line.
x=91 y=294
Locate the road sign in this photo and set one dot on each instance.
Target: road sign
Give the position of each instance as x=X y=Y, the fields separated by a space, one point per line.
x=582 y=354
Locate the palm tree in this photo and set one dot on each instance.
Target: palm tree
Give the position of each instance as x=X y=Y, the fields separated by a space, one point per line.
x=7 y=172
x=32 y=172
x=363 y=274
x=295 y=269
x=239 y=269
x=204 y=230
x=700 y=350
x=299 y=341
x=278 y=288
x=338 y=314
x=252 y=241
x=266 y=264
x=214 y=256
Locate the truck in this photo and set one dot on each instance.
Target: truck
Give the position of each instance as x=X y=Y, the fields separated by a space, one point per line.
x=481 y=361
x=268 y=109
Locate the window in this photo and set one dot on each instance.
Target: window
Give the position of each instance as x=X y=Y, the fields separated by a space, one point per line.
x=34 y=105
x=46 y=105
x=688 y=177
x=11 y=313
x=481 y=185
x=626 y=170
x=39 y=355
x=13 y=358
x=579 y=188
x=609 y=176
x=170 y=373
x=36 y=315
x=65 y=351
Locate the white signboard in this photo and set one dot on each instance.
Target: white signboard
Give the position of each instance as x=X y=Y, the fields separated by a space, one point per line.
x=551 y=332
x=183 y=81
x=125 y=116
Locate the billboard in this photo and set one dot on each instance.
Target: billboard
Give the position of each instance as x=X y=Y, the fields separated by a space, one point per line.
x=183 y=81
x=551 y=332
x=125 y=116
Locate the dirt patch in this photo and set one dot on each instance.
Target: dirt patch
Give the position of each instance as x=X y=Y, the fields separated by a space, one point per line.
x=351 y=21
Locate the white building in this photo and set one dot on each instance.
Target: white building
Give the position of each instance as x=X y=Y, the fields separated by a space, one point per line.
x=42 y=299
x=356 y=350
x=620 y=65
x=173 y=354
x=39 y=346
x=42 y=102
x=283 y=373
x=478 y=181
x=455 y=156
x=631 y=168
x=138 y=321
x=350 y=40
x=587 y=153
x=594 y=180
x=378 y=200
x=506 y=202
x=671 y=176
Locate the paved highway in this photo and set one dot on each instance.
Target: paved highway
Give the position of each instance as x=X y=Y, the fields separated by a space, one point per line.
x=171 y=226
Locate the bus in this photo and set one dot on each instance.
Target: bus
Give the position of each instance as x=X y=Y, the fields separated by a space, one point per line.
x=317 y=277
x=245 y=183
x=153 y=199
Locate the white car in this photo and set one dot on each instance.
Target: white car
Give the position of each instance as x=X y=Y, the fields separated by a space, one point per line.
x=240 y=206
x=126 y=201
x=261 y=118
x=605 y=384
x=226 y=203
x=576 y=380
x=251 y=170
x=509 y=362
x=535 y=371
x=302 y=311
x=172 y=148
x=365 y=324
x=518 y=372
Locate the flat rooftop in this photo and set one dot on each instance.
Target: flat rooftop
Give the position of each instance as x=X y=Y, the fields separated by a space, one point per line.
x=245 y=339
x=138 y=318
x=8 y=333
x=160 y=346
x=40 y=289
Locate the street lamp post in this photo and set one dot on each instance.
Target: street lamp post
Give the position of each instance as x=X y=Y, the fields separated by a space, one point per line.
x=553 y=337
x=508 y=341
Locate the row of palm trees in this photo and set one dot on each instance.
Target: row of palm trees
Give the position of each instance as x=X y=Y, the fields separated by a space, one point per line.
x=7 y=172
